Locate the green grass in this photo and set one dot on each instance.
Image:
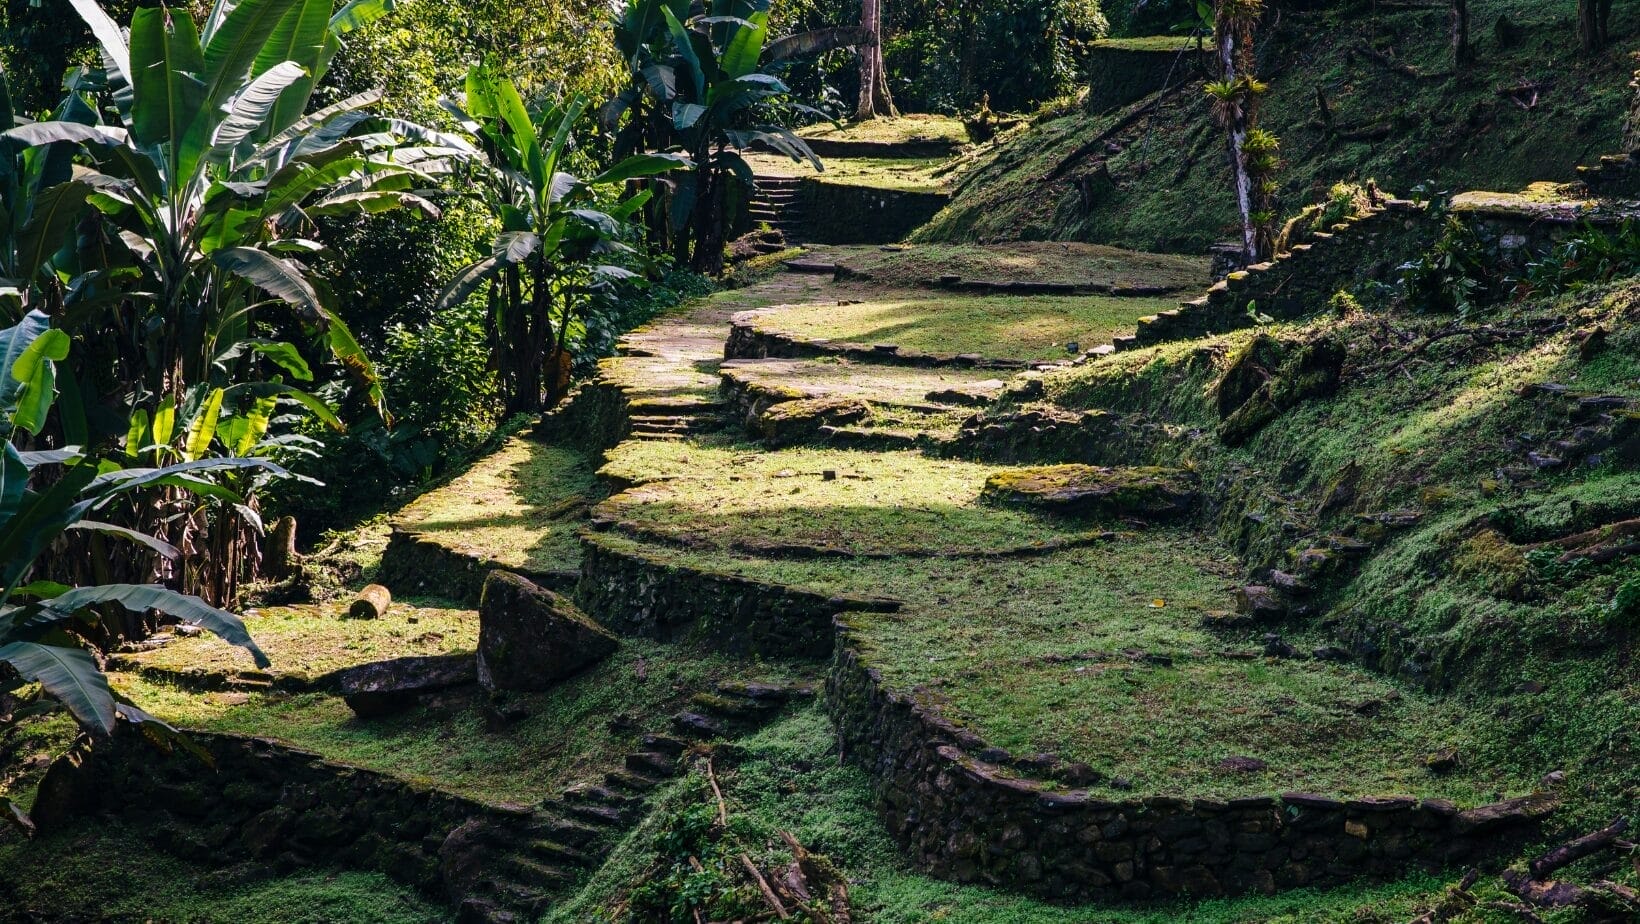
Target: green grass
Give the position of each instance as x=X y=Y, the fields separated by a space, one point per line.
x=565 y=739
x=1029 y=261
x=1004 y=327
x=904 y=129
x=873 y=382
x=518 y=508
x=1157 y=43
x=307 y=642
x=789 y=780
x=104 y=871
x=877 y=503
x=901 y=174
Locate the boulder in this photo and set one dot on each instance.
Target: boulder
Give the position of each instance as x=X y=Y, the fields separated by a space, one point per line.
x=791 y=422
x=386 y=687
x=529 y=638
x=1092 y=491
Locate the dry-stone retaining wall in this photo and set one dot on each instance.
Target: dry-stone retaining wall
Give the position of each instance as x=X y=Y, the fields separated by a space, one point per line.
x=1119 y=75
x=980 y=821
x=638 y=594
x=1300 y=281
x=269 y=802
x=843 y=213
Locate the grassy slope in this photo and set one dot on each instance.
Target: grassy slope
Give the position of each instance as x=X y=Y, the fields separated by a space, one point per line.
x=106 y=872
x=1068 y=262
x=1171 y=174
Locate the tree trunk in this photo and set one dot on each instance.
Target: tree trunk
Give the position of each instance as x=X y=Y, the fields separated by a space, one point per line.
x=1589 y=30
x=875 y=99
x=1236 y=123
x=1463 y=53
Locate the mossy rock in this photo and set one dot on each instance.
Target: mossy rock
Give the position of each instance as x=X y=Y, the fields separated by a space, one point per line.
x=1093 y=491
x=793 y=422
x=1268 y=378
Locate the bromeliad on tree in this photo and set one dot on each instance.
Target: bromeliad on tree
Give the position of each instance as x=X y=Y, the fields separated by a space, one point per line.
x=1254 y=153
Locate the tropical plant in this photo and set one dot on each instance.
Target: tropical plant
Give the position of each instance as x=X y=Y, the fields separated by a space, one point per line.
x=556 y=245
x=45 y=627
x=1236 y=94
x=699 y=86
x=192 y=220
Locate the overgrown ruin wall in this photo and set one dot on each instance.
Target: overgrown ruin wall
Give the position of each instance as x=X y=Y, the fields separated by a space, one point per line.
x=843 y=213
x=974 y=821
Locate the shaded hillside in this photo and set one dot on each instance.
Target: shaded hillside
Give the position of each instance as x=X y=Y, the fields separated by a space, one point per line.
x=1399 y=115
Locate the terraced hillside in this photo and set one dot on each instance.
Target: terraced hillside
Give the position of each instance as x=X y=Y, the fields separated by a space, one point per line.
x=964 y=623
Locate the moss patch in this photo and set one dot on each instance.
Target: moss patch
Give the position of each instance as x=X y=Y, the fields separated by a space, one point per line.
x=518 y=508
x=1091 y=491
x=1002 y=327
x=572 y=733
x=912 y=128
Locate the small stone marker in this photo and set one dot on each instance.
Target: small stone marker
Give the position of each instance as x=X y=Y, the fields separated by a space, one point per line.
x=371 y=603
x=386 y=687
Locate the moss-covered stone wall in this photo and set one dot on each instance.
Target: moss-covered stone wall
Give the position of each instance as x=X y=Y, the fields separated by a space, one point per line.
x=846 y=213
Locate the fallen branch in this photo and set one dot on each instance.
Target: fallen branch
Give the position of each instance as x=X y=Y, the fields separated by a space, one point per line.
x=722 y=807
x=1573 y=851
x=763 y=884
x=1390 y=63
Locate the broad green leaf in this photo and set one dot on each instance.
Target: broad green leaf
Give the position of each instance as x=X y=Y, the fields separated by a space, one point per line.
x=165 y=549
x=37 y=377
x=202 y=429
x=56 y=211
x=741 y=56
x=165 y=56
x=360 y=13
x=109 y=36
x=253 y=105
x=165 y=421
x=70 y=676
x=319 y=409
x=136 y=435
x=355 y=360
x=278 y=277
x=685 y=48
x=231 y=48
x=641 y=165
x=13 y=341
x=467 y=282
x=281 y=353
x=140 y=598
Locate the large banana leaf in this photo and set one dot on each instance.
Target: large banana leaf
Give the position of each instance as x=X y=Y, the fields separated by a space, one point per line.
x=299 y=39
x=36 y=377
x=141 y=598
x=13 y=341
x=253 y=106
x=69 y=675
x=746 y=47
x=111 y=39
x=165 y=55
x=278 y=277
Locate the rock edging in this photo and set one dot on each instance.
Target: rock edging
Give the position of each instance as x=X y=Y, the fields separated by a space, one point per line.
x=749 y=341
x=971 y=821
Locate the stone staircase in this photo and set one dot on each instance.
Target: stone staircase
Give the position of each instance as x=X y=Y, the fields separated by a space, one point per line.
x=675 y=419
x=777 y=202
x=517 y=870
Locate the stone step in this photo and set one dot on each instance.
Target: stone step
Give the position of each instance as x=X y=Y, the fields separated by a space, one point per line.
x=532 y=876
x=662 y=744
x=593 y=794
x=606 y=816
x=768 y=248
x=653 y=764
x=636 y=783
x=566 y=831
x=695 y=725
x=555 y=853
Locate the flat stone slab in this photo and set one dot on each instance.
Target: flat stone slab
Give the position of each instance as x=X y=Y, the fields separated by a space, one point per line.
x=1089 y=490
x=387 y=687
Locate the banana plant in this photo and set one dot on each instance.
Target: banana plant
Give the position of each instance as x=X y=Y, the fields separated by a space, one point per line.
x=556 y=243
x=706 y=76
x=44 y=626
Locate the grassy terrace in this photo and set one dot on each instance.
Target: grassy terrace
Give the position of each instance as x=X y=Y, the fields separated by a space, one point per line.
x=873 y=382
x=518 y=508
x=1049 y=653
x=568 y=736
x=1159 y=43
x=1027 y=261
x=1002 y=326
x=907 y=129
x=307 y=642
x=901 y=174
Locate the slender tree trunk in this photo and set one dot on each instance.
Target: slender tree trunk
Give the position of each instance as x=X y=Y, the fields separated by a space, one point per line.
x=874 y=96
x=1225 y=32
x=1463 y=53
